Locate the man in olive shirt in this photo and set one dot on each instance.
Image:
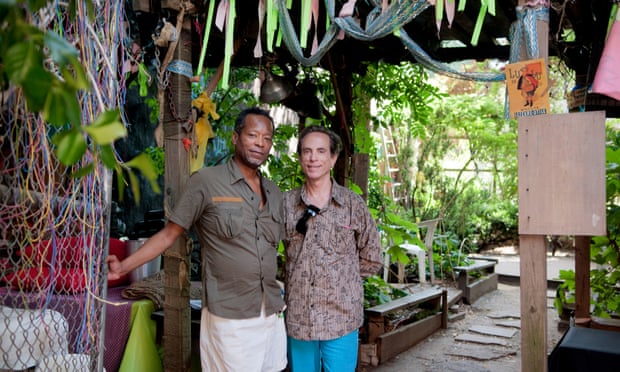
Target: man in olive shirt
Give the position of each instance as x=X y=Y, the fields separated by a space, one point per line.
x=236 y=214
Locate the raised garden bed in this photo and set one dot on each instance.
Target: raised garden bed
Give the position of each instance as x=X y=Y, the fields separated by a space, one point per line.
x=477 y=278
x=394 y=327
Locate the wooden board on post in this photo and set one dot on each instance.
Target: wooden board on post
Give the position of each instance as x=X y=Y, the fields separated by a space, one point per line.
x=561 y=192
x=562 y=174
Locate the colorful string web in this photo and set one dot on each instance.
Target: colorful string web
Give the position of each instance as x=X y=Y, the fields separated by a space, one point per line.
x=54 y=228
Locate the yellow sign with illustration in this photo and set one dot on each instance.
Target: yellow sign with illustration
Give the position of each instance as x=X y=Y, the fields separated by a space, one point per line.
x=528 y=88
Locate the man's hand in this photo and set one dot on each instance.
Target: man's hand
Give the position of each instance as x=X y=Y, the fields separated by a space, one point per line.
x=114 y=268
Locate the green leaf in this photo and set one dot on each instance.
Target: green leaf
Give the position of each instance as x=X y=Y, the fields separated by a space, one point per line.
x=35 y=5
x=121 y=183
x=144 y=163
x=21 y=59
x=60 y=96
x=39 y=83
x=83 y=171
x=106 y=128
x=60 y=50
x=107 y=156
x=135 y=185
x=70 y=146
x=75 y=77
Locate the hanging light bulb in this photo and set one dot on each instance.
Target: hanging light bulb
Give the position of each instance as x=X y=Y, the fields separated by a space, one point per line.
x=274 y=88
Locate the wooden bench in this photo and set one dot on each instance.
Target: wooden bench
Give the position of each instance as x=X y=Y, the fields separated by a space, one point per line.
x=477 y=278
x=386 y=341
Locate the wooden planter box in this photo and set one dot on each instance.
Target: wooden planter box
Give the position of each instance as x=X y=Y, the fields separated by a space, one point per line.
x=385 y=341
x=474 y=286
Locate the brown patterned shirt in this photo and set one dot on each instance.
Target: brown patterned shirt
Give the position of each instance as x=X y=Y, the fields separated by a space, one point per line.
x=324 y=269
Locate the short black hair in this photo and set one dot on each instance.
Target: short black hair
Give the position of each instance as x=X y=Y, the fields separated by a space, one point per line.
x=335 y=143
x=240 y=121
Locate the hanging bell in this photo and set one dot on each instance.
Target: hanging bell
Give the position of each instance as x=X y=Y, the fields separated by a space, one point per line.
x=274 y=88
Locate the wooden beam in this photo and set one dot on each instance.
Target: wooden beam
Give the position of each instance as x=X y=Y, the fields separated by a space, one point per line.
x=176 y=111
x=533 y=274
x=582 y=280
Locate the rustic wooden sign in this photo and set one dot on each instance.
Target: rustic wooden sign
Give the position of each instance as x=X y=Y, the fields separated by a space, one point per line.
x=562 y=174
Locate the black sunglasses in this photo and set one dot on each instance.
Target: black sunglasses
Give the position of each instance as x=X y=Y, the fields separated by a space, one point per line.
x=302 y=224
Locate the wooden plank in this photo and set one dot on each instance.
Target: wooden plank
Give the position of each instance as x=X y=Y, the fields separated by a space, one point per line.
x=401 y=339
x=478 y=339
x=533 y=299
x=412 y=299
x=562 y=174
x=493 y=331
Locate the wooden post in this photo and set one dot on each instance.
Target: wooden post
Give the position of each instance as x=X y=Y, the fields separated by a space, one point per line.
x=582 y=280
x=533 y=274
x=533 y=266
x=177 y=111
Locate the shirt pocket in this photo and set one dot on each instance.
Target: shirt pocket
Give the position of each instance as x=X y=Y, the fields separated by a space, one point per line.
x=272 y=225
x=343 y=241
x=229 y=221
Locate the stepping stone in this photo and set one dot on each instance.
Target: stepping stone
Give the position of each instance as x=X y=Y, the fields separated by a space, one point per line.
x=478 y=339
x=510 y=323
x=502 y=315
x=494 y=331
x=481 y=353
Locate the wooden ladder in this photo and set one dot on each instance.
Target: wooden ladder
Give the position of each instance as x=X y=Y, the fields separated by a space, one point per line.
x=390 y=167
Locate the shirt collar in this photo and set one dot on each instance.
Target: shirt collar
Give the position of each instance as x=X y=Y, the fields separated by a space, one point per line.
x=337 y=194
x=235 y=172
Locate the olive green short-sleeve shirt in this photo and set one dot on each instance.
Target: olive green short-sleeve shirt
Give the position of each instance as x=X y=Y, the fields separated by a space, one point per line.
x=239 y=240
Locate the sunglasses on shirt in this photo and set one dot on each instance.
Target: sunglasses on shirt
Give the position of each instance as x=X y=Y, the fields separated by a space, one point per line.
x=302 y=224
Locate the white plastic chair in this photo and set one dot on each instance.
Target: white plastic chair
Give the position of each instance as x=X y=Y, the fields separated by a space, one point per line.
x=419 y=252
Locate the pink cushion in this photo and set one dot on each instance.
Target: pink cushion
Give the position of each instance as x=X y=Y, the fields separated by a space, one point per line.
x=29 y=279
x=70 y=281
x=69 y=276
x=67 y=251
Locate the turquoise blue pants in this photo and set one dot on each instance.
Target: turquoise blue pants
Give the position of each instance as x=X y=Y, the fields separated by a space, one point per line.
x=337 y=355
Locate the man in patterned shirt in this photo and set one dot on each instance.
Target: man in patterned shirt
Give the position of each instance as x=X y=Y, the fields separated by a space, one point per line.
x=331 y=243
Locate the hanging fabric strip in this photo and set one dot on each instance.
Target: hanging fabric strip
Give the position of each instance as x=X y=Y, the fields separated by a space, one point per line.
x=205 y=41
x=304 y=22
x=441 y=68
x=347 y=10
x=524 y=29
x=258 y=49
x=382 y=23
x=272 y=24
x=228 y=47
x=292 y=42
